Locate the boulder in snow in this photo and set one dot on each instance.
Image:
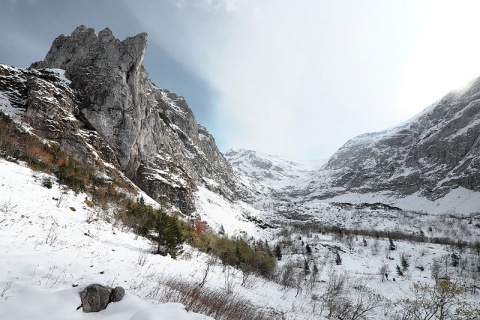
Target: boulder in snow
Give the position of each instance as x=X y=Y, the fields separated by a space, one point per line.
x=95 y=298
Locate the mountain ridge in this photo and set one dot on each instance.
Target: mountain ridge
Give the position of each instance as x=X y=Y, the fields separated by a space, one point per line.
x=149 y=133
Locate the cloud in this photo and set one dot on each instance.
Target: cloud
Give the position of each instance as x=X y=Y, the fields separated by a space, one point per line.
x=300 y=79
x=295 y=80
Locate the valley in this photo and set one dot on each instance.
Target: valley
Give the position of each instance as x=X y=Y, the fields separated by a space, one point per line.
x=93 y=155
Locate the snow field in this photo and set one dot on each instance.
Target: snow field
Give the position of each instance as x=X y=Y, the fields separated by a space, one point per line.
x=53 y=245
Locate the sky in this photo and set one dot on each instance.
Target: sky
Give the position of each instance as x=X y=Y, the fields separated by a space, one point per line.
x=296 y=79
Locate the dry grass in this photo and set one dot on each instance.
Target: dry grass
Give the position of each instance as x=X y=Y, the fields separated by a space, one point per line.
x=214 y=303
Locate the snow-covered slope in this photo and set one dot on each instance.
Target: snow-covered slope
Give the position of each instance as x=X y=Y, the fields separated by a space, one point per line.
x=272 y=171
x=430 y=163
x=430 y=155
x=53 y=245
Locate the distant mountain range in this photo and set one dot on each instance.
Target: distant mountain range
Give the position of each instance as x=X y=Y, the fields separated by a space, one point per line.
x=92 y=95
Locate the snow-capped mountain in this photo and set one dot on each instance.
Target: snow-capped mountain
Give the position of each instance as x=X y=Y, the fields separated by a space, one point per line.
x=430 y=163
x=92 y=95
x=332 y=227
x=431 y=154
x=272 y=171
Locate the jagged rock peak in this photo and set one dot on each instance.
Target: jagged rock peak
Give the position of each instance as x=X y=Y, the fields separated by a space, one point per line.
x=104 y=49
x=153 y=133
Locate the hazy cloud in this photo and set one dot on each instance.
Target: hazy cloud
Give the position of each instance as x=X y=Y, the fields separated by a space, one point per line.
x=294 y=78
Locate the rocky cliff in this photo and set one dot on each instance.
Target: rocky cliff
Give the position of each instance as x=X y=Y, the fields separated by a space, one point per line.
x=437 y=151
x=110 y=108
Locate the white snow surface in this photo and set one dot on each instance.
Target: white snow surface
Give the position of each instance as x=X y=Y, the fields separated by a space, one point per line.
x=272 y=171
x=47 y=246
x=457 y=201
x=232 y=217
x=53 y=245
x=60 y=73
x=8 y=109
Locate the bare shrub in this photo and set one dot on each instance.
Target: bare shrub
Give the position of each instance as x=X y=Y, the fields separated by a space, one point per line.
x=375 y=248
x=4 y=294
x=286 y=275
x=384 y=271
x=142 y=258
x=347 y=299
x=214 y=303
x=431 y=302
x=7 y=206
x=52 y=235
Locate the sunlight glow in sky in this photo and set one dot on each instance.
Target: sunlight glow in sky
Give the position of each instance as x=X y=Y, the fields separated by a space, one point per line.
x=292 y=78
x=301 y=79
x=446 y=57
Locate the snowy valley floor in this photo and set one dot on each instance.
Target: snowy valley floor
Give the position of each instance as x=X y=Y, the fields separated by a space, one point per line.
x=52 y=245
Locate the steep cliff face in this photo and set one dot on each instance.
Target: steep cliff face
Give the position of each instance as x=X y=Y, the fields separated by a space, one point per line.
x=437 y=151
x=148 y=133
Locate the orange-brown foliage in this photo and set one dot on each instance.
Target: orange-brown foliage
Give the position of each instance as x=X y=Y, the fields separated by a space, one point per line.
x=199 y=230
x=38 y=152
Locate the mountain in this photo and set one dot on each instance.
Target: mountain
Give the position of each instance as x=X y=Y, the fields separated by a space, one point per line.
x=430 y=163
x=432 y=154
x=92 y=95
x=272 y=171
x=295 y=240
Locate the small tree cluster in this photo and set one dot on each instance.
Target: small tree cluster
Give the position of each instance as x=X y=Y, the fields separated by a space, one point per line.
x=166 y=231
x=256 y=257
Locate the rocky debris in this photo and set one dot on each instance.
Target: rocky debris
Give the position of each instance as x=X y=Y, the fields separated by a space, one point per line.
x=111 y=110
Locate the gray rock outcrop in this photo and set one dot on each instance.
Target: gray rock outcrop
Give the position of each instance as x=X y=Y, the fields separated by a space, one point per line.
x=150 y=134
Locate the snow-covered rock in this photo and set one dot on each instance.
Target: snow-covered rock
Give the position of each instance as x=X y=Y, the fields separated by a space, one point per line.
x=92 y=94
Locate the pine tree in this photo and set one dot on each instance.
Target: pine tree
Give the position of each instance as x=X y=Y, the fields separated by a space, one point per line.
x=392 y=245
x=306 y=267
x=308 y=249
x=399 y=271
x=404 y=261
x=167 y=234
x=278 y=252
x=338 y=259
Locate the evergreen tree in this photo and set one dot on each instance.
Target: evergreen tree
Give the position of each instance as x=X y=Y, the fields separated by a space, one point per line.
x=167 y=234
x=399 y=271
x=392 y=245
x=338 y=259
x=278 y=252
x=306 y=267
x=308 y=249
x=404 y=261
